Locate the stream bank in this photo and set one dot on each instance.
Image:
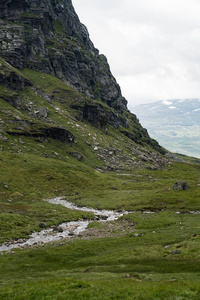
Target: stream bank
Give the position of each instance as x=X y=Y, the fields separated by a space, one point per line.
x=66 y=230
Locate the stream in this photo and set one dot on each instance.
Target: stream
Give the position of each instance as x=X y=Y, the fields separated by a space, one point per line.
x=67 y=230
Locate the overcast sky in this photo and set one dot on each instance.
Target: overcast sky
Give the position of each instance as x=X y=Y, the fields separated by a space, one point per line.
x=152 y=46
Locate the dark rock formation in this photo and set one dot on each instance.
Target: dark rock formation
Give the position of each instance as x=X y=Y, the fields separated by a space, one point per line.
x=56 y=133
x=47 y=36
x=99 y=116
x=181 y=185
x=42 y=225
x=13 y=81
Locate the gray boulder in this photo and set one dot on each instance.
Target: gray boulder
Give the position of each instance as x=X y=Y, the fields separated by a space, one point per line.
x=42 y=112
x=42 y=225
x=181 y=185
x=77 y=155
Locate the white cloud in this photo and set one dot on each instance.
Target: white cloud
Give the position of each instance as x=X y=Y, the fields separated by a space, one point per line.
x=152 y=46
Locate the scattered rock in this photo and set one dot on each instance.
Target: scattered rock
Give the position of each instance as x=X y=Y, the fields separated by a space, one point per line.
x=137 y=235
x=42 y=225
x=55 y=228
x=127 y=276
x=71 y=233
x=168 y=246
x=100 y=217
x=194 y=235
x=42 y=112
x=175 y=252
x=20 y=241
x=181 y=185
x=60 y=229
x=114 y=188
x=77 y=155
x=3 y=138
x=135 y=276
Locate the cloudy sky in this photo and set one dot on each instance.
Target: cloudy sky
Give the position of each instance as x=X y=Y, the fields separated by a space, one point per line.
x=152 y=46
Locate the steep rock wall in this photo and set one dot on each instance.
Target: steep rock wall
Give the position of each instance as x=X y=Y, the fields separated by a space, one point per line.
x=47 y=36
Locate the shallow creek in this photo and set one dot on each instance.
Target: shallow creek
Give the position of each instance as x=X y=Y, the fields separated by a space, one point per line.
x=69 y=229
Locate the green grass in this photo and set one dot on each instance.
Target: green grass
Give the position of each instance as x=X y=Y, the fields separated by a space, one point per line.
x=126 y=267
x=27 y=179
x=134 y=260
x=134 y=264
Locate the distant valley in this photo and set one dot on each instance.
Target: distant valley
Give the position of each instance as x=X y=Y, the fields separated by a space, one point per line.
x=175 y=124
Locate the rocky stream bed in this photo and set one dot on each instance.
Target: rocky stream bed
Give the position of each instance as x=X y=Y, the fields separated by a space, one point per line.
x=74 y=228
x=65 y=230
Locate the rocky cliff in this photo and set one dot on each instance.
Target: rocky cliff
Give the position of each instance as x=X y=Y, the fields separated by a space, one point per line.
x=47 y=36
x=54 y=82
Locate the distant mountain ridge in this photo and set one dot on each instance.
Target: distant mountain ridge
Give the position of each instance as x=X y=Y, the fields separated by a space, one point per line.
x=175 y=124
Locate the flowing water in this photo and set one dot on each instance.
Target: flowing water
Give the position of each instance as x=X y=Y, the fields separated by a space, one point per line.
x=67 y=230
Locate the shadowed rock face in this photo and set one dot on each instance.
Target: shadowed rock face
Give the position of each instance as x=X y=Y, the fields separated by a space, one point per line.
x=13 y=81
x=57 y=133
x=99 y=117
x=47 y=36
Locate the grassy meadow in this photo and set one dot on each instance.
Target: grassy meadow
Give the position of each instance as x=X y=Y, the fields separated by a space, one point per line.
x=155 y=256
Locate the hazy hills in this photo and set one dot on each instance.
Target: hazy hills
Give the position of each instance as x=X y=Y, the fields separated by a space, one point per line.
x=174 y=124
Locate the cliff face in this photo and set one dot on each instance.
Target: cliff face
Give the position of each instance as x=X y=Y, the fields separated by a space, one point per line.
x=56 y=88
x=47 y=36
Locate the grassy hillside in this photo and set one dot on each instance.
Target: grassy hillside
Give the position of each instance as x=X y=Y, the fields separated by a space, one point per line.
x=140 y=256
x=49 y=149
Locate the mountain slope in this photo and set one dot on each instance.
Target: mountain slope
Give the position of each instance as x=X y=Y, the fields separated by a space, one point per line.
x=63 y=120
x=174 y=123
x=65 y=131
x=54 y=82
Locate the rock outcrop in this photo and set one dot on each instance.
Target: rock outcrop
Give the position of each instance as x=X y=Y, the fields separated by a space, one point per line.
x=42 y=133
x=39 y=38
x=181 y=185
x=47 y=36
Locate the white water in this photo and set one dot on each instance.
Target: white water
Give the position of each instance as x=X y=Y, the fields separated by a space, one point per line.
x=69 y=229
x=111 y=215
